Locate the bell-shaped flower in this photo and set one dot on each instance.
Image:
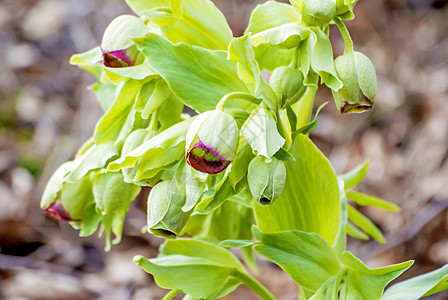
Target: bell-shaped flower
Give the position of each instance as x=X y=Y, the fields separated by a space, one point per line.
x=211 y=142
x=165 y=215
x=317 y=12
x=357 y=73
x=266 y=178
x=66 y=201
x=117 y=47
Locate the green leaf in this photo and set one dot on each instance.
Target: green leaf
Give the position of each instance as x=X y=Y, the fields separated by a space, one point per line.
x=156 y=148
x=261 y=132
x=223 y=191
x=322 y=61
x=365 y=224
x=240 y=50
x=271 y=14
x=105 y=94
x=285 y=36
x=112 y=197
x=236 y=243
x=419 y=286
x=201 y=270
x=241 y=162
x=95 y=157
x=306 y=257
x=195 y=22
x=209 y=74
x=284 y=155
x=310 y=198
x=137 y=72
x=111 y=193
x=356 y=232
x=305 y=129
x=355 y=176
x=367 y=200
x=89 y=61
x=365 y=284
x=139 y=6
x=118 y=121
x=269 y=58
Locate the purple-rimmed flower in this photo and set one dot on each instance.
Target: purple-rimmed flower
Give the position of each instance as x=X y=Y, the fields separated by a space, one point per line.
x=57 y=211
x=117 y=59
x=117 y=47
x=211 y=142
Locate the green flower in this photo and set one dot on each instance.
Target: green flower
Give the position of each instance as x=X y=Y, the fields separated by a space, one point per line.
x=165 y=215
x=211 y=142
x=117 y=47
x=357 y=74
x=266 y=178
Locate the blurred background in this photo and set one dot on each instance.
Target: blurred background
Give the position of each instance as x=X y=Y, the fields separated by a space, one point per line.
x=47 y=111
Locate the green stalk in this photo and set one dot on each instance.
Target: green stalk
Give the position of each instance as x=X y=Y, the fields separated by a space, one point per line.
x=237 y=95
x=171 y=294
x=305 y=107
x=255 y=286
x=345 y=35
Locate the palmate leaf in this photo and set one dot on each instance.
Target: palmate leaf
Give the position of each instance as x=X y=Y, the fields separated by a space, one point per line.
x=365 y=284
x=419 y=286
x=365 y=224
x=209 y=74
x=306 y=257
x=310 y=198
x=201 y=270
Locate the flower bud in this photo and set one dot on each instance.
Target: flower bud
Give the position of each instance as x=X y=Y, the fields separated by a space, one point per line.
x=288 y=84
x=344 y=9
x=117 y=47
x=317 y=12
x=357 y=74
x=266 y=178
x=165 y=215
x=211 y=142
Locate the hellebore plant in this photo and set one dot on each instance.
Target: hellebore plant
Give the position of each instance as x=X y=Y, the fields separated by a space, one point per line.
x=242 y=173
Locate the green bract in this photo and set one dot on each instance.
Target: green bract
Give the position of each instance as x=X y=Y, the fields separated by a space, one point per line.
x=249 y=141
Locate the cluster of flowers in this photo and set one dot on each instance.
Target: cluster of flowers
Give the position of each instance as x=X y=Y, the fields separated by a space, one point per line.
x=145 y=79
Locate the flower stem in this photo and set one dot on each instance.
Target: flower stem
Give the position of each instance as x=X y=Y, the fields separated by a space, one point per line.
x=255 y=286
x=171 y=294
x=239 y=96
x=345 y=35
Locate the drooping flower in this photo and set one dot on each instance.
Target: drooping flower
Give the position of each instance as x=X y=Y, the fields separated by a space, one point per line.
x=266 y=178
x=117 y=47
x=357 y=73
x=211 y=142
